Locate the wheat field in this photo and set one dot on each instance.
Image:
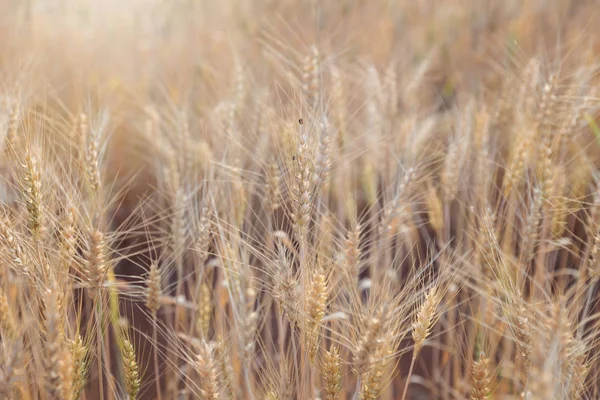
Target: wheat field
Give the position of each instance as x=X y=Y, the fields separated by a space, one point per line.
x=299 y=199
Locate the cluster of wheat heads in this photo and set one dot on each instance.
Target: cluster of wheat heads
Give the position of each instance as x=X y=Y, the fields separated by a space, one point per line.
x=294 y=200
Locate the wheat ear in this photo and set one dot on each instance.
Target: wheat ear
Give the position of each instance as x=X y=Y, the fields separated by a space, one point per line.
x=422 y=327
x=130 y=369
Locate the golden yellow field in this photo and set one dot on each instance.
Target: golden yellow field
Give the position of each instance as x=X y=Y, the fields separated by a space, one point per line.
x=299 y=199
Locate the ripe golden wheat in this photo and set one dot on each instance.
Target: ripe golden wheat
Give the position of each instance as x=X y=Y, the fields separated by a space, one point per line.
x=258 y=199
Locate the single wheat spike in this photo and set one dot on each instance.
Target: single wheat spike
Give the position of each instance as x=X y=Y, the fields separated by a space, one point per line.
x=561 y=331
x=65 y=369
x=530 y=231
x=426 y=316
x=207 y=369
x=184 y=142
x=241 y=91
x=302 y=190
x=372 y=381
x=393 y=208
x=353 y=253
x=83 y=128
x=593 y=267
x=225 y=370
x=9 y=373
x=521 y=328
x=421 y=327
x=12 y=141
x=311 y=78
x=172 y=171
x=332 y=374
x=315 y=309
x=97 y=265
x=273 y=178
x=451 y=170
x=239 y=196
x=178 y=224
x=79 y=353
x=481 y=378
x=32 y=192
x=15 y=252
x=153 y=289
x=204 y=310
x=547 y=177
x=369 y=343
x=323 y=161
x=62 y=314
x=57 y=361
x=130 y=369
x=547 y=105
x=249 y=322
x=92 y=163
x=558 y=204
x=68 y=241
x=204 y=233
x=517 y=163
x=339 y=105
x=288 y=295
x=7 y=320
